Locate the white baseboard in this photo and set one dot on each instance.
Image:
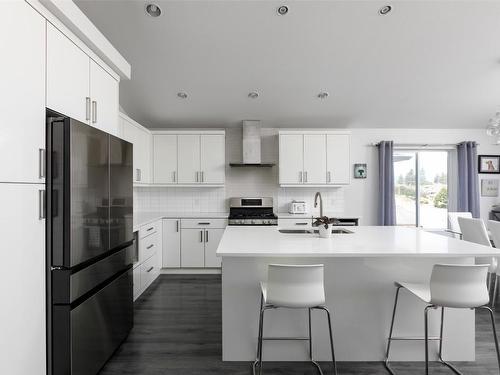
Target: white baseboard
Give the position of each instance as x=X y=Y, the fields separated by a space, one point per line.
x=192 y=271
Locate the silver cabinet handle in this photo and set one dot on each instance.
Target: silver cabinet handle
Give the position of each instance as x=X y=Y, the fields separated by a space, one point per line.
x=137 y=177
x=174 y=176
x=206 y=236
x=197 y=176
x=41 y=204
x=150 y=269
x=300 y=176
x=203 y=223
x=300 y=223
x=150 y=246
x=94 y=111
x=87 y=108
x=41 y=162
x=329 y=176
x=202 y=176
x=177 y=226
x=201 y=236
x=305 y=176
x=147 y=230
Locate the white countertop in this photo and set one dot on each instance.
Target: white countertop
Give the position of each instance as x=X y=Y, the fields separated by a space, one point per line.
x=147 y=217
x=366 y=241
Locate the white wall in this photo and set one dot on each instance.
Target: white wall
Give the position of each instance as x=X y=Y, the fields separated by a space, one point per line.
x=358 y=199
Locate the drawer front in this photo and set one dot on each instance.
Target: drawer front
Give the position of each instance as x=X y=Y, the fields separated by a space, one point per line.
x=295 y=223
x=149 y=271
x=147 y=230
x=137 y=282
x=148 y=246
x=203 y=223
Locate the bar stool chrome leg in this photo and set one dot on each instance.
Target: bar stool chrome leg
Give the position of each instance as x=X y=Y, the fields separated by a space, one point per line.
x=440 y=354
x=494 y=329
x=389 y=341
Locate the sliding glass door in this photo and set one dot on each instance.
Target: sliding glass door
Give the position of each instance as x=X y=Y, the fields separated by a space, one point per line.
x=421 y=188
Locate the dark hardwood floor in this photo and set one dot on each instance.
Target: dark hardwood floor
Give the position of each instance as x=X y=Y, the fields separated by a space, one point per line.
x=178 y=331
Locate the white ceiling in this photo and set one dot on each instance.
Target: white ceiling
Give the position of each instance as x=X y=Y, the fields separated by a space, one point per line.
x=426 y=64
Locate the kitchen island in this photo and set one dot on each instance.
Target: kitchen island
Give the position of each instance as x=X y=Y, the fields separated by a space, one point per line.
x=360 y=270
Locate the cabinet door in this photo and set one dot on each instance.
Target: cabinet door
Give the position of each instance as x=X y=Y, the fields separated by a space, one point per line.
x=192 y=248
x=165 y=159
x=171 y=243
x=188 y=159
x=338 y=159
x=212 y=239
x=68 y=80
x=104 y=96
x=213 y=159
x=141 y=139
x=291 y=158
x=314 y=159
x=22 y=98
x=22 y=316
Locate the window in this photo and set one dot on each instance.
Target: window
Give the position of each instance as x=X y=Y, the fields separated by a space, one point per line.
x=421 y=188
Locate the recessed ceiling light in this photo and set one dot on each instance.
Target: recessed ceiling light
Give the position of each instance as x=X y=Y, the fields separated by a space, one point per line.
x=182 y=95
x=282 y=10
x=323 y=95
x=385 y=10
x=153 y=10
x=253 y=95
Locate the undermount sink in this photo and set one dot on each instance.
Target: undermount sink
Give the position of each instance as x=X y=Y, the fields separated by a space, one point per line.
x=309 y=231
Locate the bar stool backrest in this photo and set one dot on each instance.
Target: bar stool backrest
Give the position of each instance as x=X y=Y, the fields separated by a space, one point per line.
x=495 y=232
x=460 y=286
x=474 y=230
x=295 y=286
x=453 y=220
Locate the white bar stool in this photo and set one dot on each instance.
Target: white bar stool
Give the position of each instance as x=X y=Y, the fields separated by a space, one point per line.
x=494 y=227
x=293 y=287
x=474 y=230
x=451 y=286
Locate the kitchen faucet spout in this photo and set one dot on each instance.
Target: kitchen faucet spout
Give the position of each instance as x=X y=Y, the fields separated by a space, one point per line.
x=318 y=194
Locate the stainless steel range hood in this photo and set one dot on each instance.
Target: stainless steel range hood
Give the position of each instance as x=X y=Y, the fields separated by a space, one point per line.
x=251 y=146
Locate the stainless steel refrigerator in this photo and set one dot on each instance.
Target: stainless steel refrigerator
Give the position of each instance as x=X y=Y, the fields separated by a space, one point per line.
x=89 y=245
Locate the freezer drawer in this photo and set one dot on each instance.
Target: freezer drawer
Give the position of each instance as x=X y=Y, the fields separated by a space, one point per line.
x=85 y=336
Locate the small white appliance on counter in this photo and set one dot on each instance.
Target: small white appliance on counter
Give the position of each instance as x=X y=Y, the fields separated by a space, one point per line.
x=297 y=207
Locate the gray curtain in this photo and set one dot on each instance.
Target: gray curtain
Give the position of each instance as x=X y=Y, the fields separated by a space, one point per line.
x=387 y=200
x=468 y=184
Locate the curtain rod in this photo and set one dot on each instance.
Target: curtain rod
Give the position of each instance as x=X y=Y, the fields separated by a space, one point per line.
x=422 y=144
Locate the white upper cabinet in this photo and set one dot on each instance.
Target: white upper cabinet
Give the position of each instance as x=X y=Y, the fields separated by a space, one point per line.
x=22 y=97
x=77 y=86
x=68 y=77
x=165 y=159
x=314 y=158
x=213 y=159
x=338 y=159
x=104 y=92
x=188 y=159
x=291 y=162
x=140 y=137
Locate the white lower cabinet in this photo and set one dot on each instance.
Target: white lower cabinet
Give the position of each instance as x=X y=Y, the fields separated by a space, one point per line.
x=22 y=316
x=305 y=223
x=171 y=243
x=199 y=241
x=193 y=248
x=149 y=263
x=212 y=239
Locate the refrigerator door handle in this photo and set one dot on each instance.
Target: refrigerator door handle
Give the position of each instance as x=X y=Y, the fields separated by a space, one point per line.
x=41 y=204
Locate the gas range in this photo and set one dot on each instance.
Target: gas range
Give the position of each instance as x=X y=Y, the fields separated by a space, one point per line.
x=251 y=211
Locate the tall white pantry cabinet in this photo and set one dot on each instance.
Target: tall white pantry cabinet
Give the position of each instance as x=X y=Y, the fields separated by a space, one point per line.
x=33 y=77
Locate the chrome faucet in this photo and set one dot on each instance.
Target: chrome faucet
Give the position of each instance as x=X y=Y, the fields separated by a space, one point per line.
x=318 y=194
